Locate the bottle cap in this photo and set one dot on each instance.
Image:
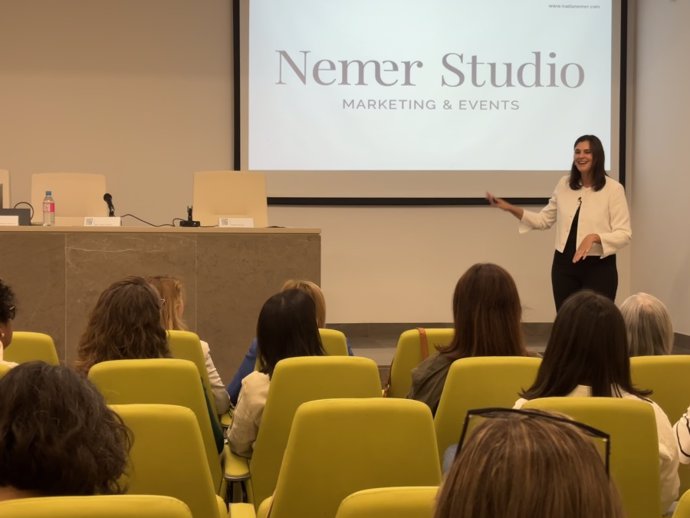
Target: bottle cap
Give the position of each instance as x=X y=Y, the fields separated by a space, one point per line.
x=49 y=193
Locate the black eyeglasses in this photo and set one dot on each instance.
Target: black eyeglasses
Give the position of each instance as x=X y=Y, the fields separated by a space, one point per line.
x=488 y=413
x=12 y=312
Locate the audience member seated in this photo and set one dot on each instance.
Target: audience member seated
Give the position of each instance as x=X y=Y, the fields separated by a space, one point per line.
x=486 y=315
x=286 y=328
x=650 y=331
x=126 y=324
x=7 y=312
x=57 y=436
x=247 y=365
x=587 y=355
x=527 y=466
x=171 y=291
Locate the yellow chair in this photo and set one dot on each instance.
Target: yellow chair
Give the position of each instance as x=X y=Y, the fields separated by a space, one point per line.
x=334 y=342
x=168 y=458
x=669 y=379
x=100 y=506
x=390 y=502
x=160 y=381
x=294 y=381
x=4 y=369
x=480 y=382
x=185 y=345
x=339 y=446
x=414 y=345
x=76 y=195
x=634 y=462
x=682 y=510
x=27 y=346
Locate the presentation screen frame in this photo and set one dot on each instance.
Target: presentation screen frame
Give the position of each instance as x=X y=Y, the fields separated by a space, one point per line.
x=422 y=187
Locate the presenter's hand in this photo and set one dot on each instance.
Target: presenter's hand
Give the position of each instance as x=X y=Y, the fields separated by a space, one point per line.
x=504 y=205
x=497 y=202
x=585 y=246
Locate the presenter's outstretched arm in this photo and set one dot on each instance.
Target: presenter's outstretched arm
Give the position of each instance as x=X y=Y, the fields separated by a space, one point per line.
x=504 y=205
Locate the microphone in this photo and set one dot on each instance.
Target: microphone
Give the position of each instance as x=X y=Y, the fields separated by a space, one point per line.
x=579 y=200
x=109 y=200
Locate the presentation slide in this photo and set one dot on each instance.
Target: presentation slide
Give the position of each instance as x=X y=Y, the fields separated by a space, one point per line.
x=445 y=86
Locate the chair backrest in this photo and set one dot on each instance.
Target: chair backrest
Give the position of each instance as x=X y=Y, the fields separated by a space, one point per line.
x=4 y=369
x=165 y=381
x=99 y=506
x=185 y=345
x=390 y=502
x=167 y=457
x=408 y=354
x=295 y=381
x=480 y=382
x=682 y=510
x=334 y=342
x=76 y=195
x=5 y=188
x=28 y=346
x=634 y=462
x=230 y=193
x=339 y=446
x=668 y=377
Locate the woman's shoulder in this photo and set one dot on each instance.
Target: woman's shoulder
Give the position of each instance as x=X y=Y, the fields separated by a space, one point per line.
x=612 y=185
x=255 y=379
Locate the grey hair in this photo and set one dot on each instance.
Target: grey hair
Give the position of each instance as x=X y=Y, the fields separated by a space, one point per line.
x=649 y=326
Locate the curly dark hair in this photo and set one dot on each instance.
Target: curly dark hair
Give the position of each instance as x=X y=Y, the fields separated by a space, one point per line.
x=57 y=435
x=7 y=301
x=125 y=324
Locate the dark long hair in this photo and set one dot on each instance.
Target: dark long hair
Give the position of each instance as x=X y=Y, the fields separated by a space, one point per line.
x=286 y=328
x=125 y=324
x=486 y=314
x=6 y=302
x=588 y=346
x=598 y=164
x=57 y=435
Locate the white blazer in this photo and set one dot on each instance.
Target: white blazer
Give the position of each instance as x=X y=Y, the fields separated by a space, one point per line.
x=603 y=212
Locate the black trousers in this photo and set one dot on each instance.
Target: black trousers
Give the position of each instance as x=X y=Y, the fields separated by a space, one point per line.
x=592 y=273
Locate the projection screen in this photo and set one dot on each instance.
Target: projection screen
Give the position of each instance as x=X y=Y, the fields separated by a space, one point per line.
x=436 y=101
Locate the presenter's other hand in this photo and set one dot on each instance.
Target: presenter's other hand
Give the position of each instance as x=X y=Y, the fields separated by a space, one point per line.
x=504 y=205
x=497 y=202
x=585 y=246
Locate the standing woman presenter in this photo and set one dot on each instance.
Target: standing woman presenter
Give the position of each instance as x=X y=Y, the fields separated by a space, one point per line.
x=592 y=224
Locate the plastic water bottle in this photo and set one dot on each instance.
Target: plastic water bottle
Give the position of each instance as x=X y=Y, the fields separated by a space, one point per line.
x=48 y=210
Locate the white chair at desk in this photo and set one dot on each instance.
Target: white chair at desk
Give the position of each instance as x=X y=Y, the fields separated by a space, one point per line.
x=76 y=196
x=232 y=194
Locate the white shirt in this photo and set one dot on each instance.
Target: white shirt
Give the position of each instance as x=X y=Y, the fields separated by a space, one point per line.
x=220 y=394
x=603 y=212
x=248 y=413
x=669 y=482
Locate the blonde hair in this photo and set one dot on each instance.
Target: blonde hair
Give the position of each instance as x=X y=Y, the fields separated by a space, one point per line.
x=313 y=290
x=171 y=291
x=649 y=327
x=527 y=467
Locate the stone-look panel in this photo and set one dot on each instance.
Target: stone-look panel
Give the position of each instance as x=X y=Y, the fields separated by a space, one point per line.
x=58 y=275
x=33 y=265
x=234 y=279
x=94 y=261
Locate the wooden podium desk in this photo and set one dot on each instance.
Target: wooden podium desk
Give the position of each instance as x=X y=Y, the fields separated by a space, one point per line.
x=57 y=274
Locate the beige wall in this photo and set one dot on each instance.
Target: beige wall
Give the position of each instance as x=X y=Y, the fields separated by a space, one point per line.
x=661 y=188
x=141 y=91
